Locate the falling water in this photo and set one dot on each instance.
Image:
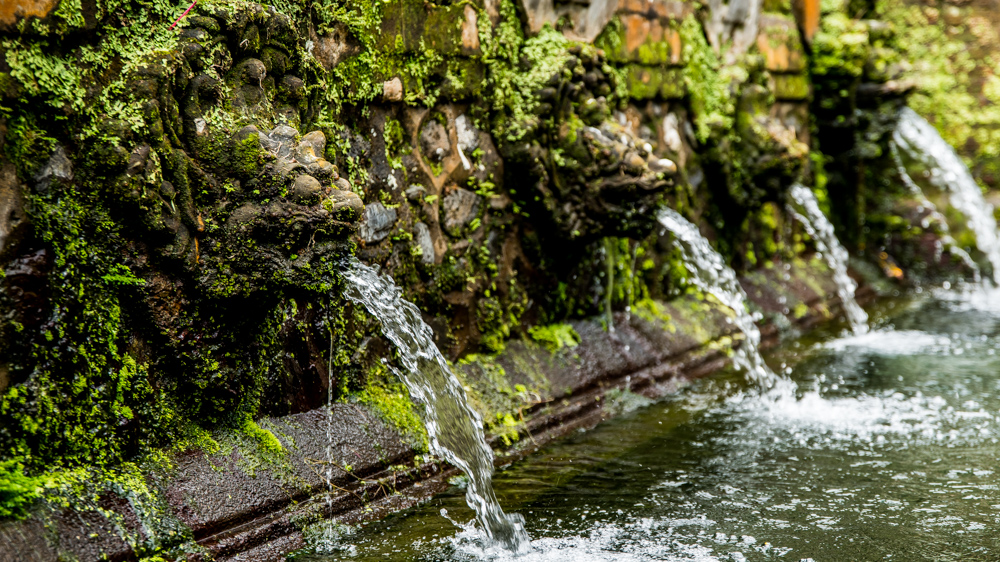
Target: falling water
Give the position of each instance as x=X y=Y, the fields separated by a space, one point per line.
x=711 y=274
x=807 y=212
x=934 y=214
x=455 y=429
x=921 y=141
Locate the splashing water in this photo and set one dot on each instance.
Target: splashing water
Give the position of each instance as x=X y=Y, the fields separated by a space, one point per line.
x=836 y=256
x=711 y=274
x=889 y=452
x=455 y=429
x=921 y=141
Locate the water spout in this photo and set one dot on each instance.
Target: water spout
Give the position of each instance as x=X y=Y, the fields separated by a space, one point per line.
x=711 y=274
x=454 y=428
x=947 y=172
x=806 y=210
x=933 y=213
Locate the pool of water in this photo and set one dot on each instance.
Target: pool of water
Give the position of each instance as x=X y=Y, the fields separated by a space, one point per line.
x=882 y=447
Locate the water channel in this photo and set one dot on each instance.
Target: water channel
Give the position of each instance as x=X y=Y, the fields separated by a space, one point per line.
x=888 y=451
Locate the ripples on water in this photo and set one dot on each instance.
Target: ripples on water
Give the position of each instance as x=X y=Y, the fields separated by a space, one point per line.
x=886 y=449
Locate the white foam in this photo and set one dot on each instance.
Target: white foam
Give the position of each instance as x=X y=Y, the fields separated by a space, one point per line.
x=641 y=540
x=892 y=342
x=975 y=298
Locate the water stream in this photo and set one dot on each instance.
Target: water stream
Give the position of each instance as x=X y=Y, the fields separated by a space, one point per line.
x=454 y=428
x=710 y=274
x=889 y=452
x=947 y=172
x=946 y=239
x=806 y=210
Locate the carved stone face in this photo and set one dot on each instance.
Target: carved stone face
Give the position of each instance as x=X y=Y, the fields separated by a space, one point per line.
x=592 y=175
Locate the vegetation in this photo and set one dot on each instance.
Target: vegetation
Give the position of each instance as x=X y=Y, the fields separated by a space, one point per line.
x=174 y=290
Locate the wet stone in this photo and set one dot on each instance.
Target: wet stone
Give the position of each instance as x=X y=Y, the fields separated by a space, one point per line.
x=662 y=165
x=13 y=220
x=321 y=169
x=345 y=205
x=305 y=154
x=460 y=207
x=204 y=22
x=434 y=141
x=415 y=192
x=306 y=189
x=57 y=168
x=468 y=135
x=317 y=140
x=377 y=223
x=392 y=90
x=342 y=184
x=137 y=160
x=293 y=86
x=422 y=236
x=281 y=141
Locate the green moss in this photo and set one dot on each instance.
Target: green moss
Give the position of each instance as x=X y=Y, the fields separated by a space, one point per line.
x=512 y=90
x=55 y=79
x=840 y=46
x=711 y=101
x=656 y=312
x=490 y=392
x=954 y=70
x=391 y=401
x=395 y=142
x=264 y=440
x=17 y=491
x=555 y=336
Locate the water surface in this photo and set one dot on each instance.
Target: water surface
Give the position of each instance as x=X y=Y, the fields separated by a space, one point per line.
x=888 y=451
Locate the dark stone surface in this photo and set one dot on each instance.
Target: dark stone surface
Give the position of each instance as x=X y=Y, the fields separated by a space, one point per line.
x=211 y=493
x=377 y=223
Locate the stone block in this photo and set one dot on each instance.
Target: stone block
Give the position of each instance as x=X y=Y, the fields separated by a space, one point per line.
x=450 y=30
x=588 y=18
x=645 y=41
x=460 y=207
x=807 y=15
x=378 y=223
x=779 y=43
x=413 y=25
x=11 y=11
x=665 y=9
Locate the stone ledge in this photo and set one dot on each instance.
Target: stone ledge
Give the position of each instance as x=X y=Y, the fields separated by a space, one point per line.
x=233 y=513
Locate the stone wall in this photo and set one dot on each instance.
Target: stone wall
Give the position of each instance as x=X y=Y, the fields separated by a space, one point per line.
x=178 y=204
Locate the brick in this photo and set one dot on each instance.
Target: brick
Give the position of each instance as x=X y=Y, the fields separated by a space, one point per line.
x=778 y=41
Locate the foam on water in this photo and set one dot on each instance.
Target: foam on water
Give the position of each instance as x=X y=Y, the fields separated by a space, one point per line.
x=640 y=540
x=892 y=342
x=815 y=418
x=976 y=298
